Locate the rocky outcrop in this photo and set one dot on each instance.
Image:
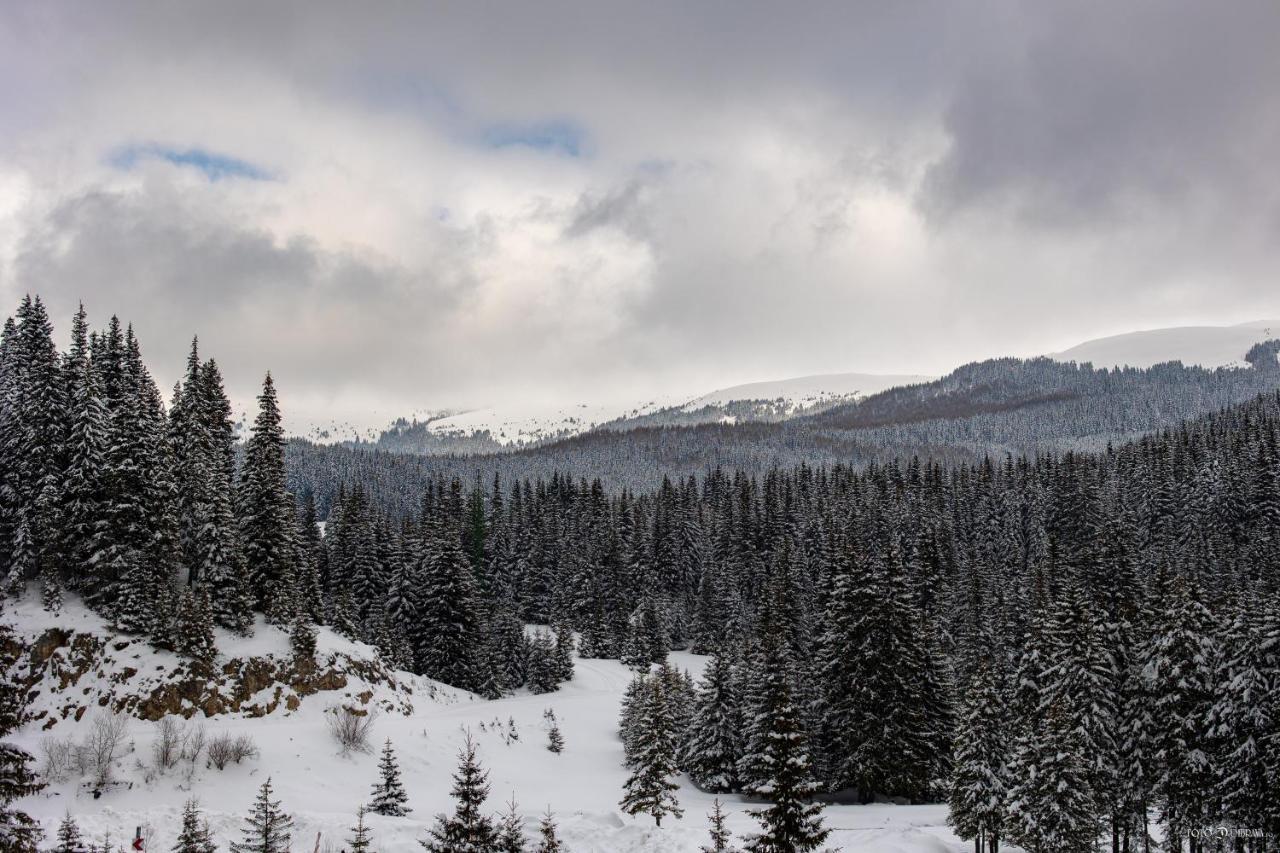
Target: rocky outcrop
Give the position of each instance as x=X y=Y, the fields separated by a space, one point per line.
x=66 y=673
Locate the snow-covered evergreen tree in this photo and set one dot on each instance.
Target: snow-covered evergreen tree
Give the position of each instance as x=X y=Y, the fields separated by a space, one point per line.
x=511 y=838
x=782 y=773
x=555 y=739
x=548 y=840
x=194 y=837
x=193 y=628
x=468 y=829
x=267 y=829
x=18 y=831
x=264 y=507
x=361 y=838
x=651 y=757
x=389 y=796
x=715 y=732
x=69 y=837
x=721 y=838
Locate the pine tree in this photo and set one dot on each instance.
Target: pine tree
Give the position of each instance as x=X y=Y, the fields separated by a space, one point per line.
x=651 y=758
x=193 y=628
x=389 y=797
x=18 y=832
x=69 y=838
x=1051 y=807
x=647 y=639
x=448 y=631
x=302 y=640
x=360 y=840
x=548 y=842
x=541 y=666
x=721 y=839
x=977 y=801
x=791 y=823
x=564 y=652
x=265 y=510
x=194 y=836
x=511 y=837
x=555 y=740
x=468 y=830
x=267 y=828
x=715 y=733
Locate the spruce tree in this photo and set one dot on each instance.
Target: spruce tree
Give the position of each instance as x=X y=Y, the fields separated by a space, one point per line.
x=194 y=836
x=361 y=840
x=69 y=838
x=715 y=733
x=468 y=830
x=548 y=841
x=721 y=838
x=389 y=797
x=448 y=630
x=541 y=665
x=651 y=758
x=193 y=628
x=555 y=740
x=1051 y=807
x=980 y=769
x=511 y=837
x=267 y=829
x=302 y=640
x=18 y=831
x=564 y=646
x=265 y=511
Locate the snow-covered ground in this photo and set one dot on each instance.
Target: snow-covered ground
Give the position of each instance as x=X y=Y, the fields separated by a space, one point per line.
x=1207 y=346
x=804 y=392
x=322 y=788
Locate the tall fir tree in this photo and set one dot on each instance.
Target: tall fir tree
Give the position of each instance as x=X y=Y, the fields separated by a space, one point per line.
x=267 y=828
x=651 y=757
x=468 y=830
x=389 y=796
x=194 y=837
x=265 y=509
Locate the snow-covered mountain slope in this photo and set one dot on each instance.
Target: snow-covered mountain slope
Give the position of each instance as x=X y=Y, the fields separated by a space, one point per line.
x=494 y=428
x=1207 y=346
x=805 y=392
x=322 y=788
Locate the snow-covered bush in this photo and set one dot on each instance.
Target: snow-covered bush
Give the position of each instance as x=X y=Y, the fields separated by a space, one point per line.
x=225 y=749
x=351 y=729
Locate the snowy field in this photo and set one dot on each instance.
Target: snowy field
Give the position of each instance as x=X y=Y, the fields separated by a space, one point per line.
x=322 y=788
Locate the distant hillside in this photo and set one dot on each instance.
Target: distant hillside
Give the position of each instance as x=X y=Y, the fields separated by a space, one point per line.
x=1206 y=346
x=499 y=429
x=993 y=407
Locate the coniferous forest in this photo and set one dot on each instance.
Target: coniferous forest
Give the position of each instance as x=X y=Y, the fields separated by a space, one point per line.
x=1074 y=650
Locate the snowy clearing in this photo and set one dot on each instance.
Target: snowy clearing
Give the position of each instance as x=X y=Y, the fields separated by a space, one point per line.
x=322 y=788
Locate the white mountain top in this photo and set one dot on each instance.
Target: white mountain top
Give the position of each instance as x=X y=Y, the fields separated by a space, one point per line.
x=528 y=423
x=1208 y=346
x=524 y=424
x=804 y=392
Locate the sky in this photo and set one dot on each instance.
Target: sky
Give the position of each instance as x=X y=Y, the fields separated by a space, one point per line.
x=405 y=206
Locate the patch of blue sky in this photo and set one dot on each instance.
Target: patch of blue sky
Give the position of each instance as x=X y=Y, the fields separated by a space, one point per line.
x=556 y=136
x=214 y=166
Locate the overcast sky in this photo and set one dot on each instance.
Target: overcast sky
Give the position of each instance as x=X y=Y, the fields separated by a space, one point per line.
x=399 y=206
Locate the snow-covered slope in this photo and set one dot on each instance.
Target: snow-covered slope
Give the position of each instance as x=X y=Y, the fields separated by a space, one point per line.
x=493 y=428
x=321 y=788
x=1208 y=346
x=805 y=392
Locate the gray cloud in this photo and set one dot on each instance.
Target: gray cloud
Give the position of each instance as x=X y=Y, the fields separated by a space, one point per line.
x=722 y=192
